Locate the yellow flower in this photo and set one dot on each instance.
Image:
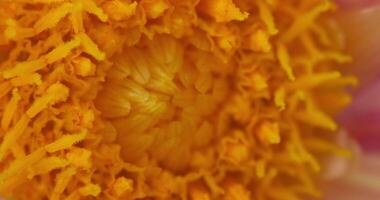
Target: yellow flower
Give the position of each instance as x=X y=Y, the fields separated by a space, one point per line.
x=167 y=99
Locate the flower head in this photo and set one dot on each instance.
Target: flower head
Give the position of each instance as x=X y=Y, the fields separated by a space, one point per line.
x=168 y=99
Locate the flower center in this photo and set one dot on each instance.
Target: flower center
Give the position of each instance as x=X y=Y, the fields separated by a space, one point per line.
x=163 y=95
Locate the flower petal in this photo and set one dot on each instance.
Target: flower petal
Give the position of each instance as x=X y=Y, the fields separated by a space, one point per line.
x=362 y=181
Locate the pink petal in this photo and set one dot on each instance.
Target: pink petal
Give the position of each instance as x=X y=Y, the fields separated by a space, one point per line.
x=351 y=179
x=362 y=118
x=361 y=182
x=365 y=107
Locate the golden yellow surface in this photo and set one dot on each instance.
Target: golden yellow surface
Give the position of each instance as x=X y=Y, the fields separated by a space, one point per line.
x=168 y=99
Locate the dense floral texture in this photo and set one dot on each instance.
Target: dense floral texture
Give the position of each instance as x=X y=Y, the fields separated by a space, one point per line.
x=168 y=99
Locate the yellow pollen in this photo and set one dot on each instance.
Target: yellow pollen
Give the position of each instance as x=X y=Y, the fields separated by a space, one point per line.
x=155 y=8
x=269 y=133
x=122 y=185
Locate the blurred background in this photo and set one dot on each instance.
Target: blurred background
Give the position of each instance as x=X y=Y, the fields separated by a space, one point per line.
x=359 y=179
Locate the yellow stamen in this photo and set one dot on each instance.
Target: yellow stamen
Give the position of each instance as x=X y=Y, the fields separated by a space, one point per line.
x=55 y=93
x=66 y=142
